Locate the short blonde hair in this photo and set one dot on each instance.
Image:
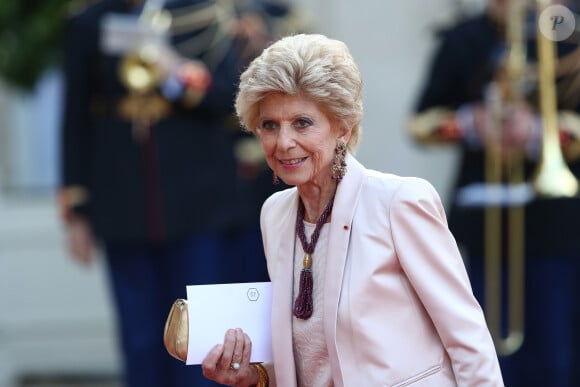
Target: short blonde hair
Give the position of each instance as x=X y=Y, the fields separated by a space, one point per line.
x=310 y=65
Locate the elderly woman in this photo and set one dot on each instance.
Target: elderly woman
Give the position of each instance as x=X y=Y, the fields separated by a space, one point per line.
x=369 y=288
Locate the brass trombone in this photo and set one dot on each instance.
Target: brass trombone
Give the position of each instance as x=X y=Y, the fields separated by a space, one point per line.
x=551 y=179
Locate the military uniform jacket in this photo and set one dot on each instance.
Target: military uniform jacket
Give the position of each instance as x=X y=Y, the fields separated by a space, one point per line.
x=181 y=180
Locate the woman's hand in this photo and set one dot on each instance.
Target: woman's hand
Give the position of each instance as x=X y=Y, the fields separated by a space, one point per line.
x=229 y=363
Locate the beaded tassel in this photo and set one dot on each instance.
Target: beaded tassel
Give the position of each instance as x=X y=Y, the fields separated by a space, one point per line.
x=303 y=305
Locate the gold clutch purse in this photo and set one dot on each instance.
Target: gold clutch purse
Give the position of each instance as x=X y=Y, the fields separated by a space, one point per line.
x=176 y=332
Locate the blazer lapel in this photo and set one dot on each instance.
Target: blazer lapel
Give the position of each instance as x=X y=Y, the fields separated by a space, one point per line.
x=282 y=284
x=345 y=201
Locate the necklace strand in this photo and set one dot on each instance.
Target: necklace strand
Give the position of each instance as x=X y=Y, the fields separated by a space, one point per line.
x=303 y=305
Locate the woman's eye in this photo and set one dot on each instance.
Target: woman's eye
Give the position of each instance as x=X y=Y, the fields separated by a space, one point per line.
x=303 y=123
x=268 y=125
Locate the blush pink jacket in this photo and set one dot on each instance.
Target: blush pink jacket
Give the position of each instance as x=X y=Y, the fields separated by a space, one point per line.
x=398 y=305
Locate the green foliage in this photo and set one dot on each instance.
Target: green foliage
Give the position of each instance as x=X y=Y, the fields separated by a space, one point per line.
x=30 y=38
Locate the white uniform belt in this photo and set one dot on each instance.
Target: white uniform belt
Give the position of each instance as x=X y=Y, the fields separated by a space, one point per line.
x=482 y=194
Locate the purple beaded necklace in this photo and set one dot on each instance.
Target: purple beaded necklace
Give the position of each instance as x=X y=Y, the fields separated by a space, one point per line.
x=303 y=303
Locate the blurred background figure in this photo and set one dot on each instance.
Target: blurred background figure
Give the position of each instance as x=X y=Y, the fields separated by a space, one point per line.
x=154 y=168
x=490 y=90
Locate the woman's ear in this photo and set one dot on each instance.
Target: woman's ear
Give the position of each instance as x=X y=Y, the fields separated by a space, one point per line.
x=345 y=135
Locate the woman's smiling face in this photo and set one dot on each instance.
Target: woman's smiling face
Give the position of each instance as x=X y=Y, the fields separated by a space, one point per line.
x=298 y=139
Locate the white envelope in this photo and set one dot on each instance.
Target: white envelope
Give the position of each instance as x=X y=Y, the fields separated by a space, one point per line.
x=213 y=309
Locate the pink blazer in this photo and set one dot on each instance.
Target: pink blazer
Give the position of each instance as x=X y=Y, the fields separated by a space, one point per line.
x=398 y=303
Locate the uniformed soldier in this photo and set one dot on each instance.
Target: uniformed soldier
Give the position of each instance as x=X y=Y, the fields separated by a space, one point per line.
x=470 y=99
x=149 y=171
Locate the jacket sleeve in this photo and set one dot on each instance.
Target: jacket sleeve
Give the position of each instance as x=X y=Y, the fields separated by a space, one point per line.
x=433 y=264
x=76 y=127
